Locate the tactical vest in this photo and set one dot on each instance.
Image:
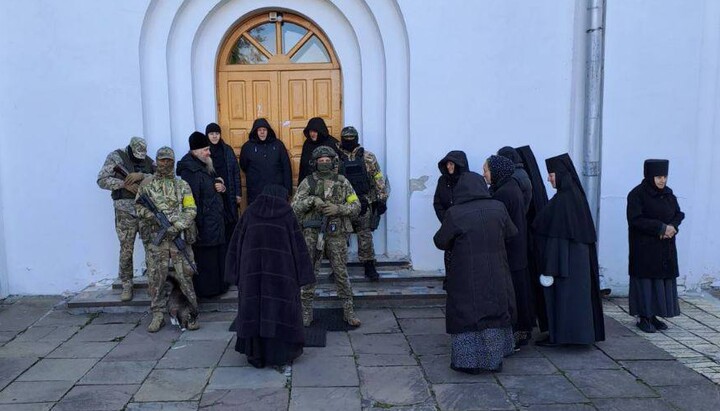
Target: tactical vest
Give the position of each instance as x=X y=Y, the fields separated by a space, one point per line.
x=143 y=166
x=356 y=172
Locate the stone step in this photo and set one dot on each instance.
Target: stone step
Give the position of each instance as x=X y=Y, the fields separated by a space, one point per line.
x=396 y=289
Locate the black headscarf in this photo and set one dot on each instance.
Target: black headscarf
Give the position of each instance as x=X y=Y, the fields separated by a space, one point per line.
x=461 y=165
x=655 y=168
x=501 y=170
x=567 y=214
x=511 y=153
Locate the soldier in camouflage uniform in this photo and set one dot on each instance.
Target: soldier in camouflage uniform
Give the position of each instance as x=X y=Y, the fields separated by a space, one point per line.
x=361 y=168
x=174 y=198
x=135 y=161
x=326 y=201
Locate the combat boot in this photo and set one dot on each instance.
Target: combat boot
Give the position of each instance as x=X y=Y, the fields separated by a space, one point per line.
x=192 y=324
x=370 y=271
x=158 y=320
x=127 y=291
x=349 y=314
x=307 y=314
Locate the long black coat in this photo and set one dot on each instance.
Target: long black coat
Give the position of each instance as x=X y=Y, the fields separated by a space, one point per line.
x=324 y=139
x=649 y=211
x=210 y=217
x=510 y=194
x=443 y=198
x=269 y=261
x=264 y=162
x=480 y=292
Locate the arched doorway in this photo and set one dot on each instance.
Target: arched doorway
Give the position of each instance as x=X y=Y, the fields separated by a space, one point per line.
x=281 y=67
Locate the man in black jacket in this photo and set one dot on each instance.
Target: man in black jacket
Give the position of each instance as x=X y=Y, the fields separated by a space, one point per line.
x=316 y=135
x=264 y=160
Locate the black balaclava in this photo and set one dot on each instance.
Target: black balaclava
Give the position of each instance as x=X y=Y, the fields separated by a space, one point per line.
x=349 y=139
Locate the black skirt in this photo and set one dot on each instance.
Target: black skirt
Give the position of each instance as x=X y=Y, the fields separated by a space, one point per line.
x=211 y=266
x=268 y=351
x=524 y=300
x=654 y=297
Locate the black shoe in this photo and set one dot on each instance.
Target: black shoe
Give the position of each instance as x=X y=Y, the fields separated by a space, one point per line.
x=659 y=325
x=498 y=369
x=471 y=371
x=646 y=326
x=370 y=271
x=545 y=342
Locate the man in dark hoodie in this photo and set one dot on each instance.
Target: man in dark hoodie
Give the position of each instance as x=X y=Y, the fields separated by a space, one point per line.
x=226 y=167
x=264 y=160
x=316 y=135
x=520 y=175
x=196 y=167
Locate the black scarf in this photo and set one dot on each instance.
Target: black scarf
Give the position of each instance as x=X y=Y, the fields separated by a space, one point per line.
x=217 y=153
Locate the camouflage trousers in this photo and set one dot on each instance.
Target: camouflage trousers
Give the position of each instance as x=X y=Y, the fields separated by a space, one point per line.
x=361 y=226
x=162 y=282
x=127 y=227
x=336 y=251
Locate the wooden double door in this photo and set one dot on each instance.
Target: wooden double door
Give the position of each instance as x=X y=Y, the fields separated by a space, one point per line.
x=280 y=67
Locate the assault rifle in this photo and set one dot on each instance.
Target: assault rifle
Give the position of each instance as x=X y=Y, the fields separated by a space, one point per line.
x=120 y=170
x=165 y=225
x=320 y=246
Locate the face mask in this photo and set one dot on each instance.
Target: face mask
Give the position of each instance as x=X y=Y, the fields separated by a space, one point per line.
x=323 y=167
x=349 y=143
x=165 y=170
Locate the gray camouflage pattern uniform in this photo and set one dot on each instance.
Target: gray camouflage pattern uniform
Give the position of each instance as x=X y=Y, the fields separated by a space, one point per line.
x=127 y=224
x=174 y=198
x=335 y=190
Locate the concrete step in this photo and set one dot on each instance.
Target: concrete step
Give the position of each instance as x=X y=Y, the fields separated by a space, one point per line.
x=403 y=288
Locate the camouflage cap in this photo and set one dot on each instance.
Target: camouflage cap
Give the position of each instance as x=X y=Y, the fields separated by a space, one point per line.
x=165 y=152
x=138 y=146
x=323 y=151
x=349 y=131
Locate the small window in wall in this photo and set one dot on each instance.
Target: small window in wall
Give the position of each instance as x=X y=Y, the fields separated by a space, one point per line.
x=279 y=42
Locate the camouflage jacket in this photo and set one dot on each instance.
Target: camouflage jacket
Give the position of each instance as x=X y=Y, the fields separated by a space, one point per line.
x=107 y=179
x=173 y=197
x=335 y=190
x=378 y=188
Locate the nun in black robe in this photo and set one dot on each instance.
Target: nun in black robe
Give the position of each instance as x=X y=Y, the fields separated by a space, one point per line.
x=568 y=254
x=538 y=201
x=654 y=219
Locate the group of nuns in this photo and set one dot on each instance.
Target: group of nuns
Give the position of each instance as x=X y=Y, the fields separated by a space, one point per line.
x=515 y=260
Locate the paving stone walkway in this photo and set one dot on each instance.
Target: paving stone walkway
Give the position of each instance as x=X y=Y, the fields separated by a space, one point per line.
x=398 y=359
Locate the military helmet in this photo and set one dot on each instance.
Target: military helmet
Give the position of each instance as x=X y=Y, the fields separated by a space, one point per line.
x=324 y=151
x=165 y=152
x=349 y=132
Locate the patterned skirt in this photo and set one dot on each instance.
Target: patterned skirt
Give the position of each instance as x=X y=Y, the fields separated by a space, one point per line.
x=482 y=349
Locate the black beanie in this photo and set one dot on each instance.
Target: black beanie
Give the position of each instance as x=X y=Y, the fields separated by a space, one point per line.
x=212 y=128
x=198 y=140
x=655 y=168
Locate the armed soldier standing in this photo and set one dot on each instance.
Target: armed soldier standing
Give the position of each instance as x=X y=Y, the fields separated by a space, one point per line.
x=122 y=173
x=325 y=203
x=173 y=198
x=361 y=168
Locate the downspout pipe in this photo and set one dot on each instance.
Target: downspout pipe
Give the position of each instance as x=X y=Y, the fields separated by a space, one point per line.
x=592 y=138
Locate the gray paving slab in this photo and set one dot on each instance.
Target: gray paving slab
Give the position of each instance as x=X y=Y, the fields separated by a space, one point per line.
x=429 y=405
x=609 y=384
x=419 y=313
x=119 y=318
x=118 y=372
x=82 y=349
x=379 y=344
x=103 y=332
x=173 y=385
x=632 y=348
x=615 y=329
x=97 y=397
x=168 y=333
x=325 y=399
x=432 y=344
x=259 y=399
x=325 y=372
x=62 y=318
x=663 y=373
x=58 y=369
x=438 y=371
x=422 y=326
x=11 y=368
x=394 y=385
x=632 y=404
x=6 y=336
x=48 y=333
x=528 y=366
x=21 y=392
x=232 y=358
x=461 y=397
x=377 y=322
x=163 y=406
x=232 y=378
x=705 y=397
x=578 y=358
x=218 y=316
x=39 y=406
x=28 y=349
x=217 y=330
x=540 y=389
x=385 y=360
x=336 y=344
x=193 y=354
x=25 y=312
x=140 y=346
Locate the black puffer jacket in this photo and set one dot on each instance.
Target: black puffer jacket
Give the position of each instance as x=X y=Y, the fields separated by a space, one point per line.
x=444 y=190
x=264 y=162
x=324 y=139
x=480 y=291
x=210 y=217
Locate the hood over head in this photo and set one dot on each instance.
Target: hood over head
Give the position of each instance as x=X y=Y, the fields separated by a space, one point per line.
x=271 y=203
x=317 y=124
x=261 y=122
x=470 y=186
x=510 y=153
x=459 y=158
x=212 y=128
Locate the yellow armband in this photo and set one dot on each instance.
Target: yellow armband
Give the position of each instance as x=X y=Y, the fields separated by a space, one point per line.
x=351 y=198
x=188 y=201
x=378 y=175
